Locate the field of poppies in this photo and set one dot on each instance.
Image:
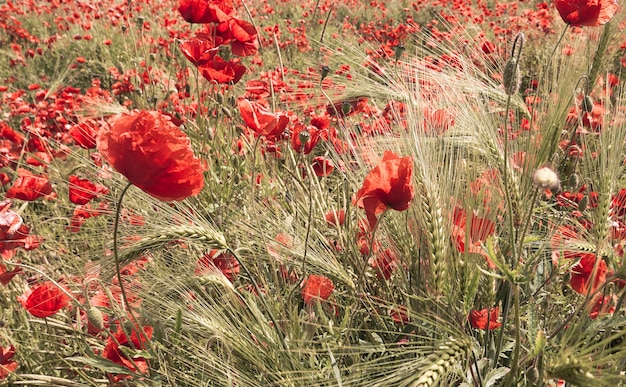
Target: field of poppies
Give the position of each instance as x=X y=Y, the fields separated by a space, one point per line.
x=322 y=193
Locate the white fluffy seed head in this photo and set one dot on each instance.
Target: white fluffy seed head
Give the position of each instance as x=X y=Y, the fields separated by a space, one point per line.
x=546 y=178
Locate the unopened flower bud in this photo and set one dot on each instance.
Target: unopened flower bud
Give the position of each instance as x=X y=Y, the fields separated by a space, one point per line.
x=95 y=318
x=583 y=203
x=574 y=180
x=325 y=71
x=511 y=78
x=304 y=136
x=399 y=49
x=546 y=178
x=587 y=104
x=346 y=107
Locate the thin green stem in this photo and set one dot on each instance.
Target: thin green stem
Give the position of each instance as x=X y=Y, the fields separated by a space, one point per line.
x=118 y=273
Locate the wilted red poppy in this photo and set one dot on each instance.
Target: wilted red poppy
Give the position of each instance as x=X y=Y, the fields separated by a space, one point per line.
x=44 y=299
x=322 y=166
x=478 y=319
x=388 y=185
x=29 y=187
x=82 y=191
x=479 y=230
x=317 y=287
x=581 y=277
x=384 y=263
x=218 y=260
x=7 y=276
x=335 y=217
x=220 y=71
x=589 y=13
x=83 y=212
x=13 y=231
x=137 y=341
x=263 y=122
x=6 y=364
x=153 y=154
x=205 y=11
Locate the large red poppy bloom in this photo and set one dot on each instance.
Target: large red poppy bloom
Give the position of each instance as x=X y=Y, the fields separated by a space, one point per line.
x=388 y=185
x=206 y=11
x=44 y=300
x=153 y=154
x=589 y=13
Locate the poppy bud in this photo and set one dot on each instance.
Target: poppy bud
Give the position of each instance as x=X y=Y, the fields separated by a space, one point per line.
x=346 y=107
x=304 y=137
x=546 y=178
x=574 y=180
x=511 y=78
x=325 y=71
x=587 y=104
x=583 y=203
x=95 y=318
x=399 y=49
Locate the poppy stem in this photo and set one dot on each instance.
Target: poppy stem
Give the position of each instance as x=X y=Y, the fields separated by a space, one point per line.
x=116 y=221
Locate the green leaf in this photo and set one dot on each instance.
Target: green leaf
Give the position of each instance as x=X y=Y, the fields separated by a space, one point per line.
x=101 y=364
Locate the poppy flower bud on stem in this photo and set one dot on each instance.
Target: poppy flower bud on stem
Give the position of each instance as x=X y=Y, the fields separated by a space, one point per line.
x=398 y=50
x=511 y=77
x=325 y=71
x=587 y=104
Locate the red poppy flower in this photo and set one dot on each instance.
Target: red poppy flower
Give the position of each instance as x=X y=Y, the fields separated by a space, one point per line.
x=82 y=191
x=322 y=166
x=263 y=122
x=478 y=319
x=153 y=154
x=137 y=341
x=6 y=364
x=581 y=276
x=388 y=185
x=220 y=71
x=84 y=134
x=589 y=13
x=44 y=299
x=205 y=11
x=317 y=287
x=244 y=37
x=29 y=187
x=218 y=260
x=199 y=50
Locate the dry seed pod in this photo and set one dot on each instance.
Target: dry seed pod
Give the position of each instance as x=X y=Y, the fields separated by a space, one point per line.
x=546 y=178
